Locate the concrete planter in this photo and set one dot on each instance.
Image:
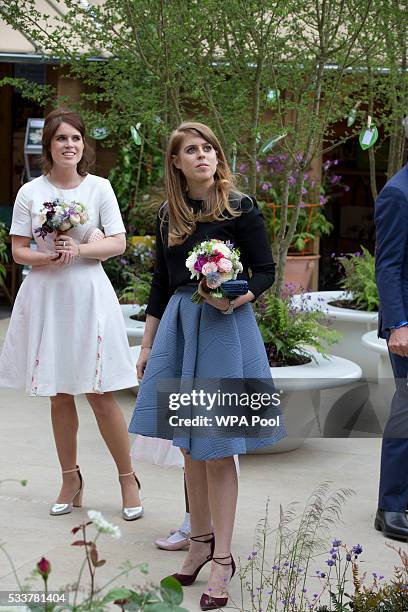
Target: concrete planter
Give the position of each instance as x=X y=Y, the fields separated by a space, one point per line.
x=386 y=384
x=352 y=324
x=134 y=329
x=301 y=387
x=379 y=347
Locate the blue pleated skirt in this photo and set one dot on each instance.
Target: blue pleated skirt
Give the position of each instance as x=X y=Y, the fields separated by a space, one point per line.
x=197 y=342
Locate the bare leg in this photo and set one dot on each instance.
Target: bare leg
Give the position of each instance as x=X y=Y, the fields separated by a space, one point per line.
x=113 y=428
x=196 y=482
x=222 y=485
x=64 y=420
x=186 y=495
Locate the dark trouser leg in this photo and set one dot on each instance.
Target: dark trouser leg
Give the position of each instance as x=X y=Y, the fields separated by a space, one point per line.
x=393 y=491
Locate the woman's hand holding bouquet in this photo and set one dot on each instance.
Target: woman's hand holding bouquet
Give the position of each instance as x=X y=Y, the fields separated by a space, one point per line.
x=214 y=263
x=60 y=216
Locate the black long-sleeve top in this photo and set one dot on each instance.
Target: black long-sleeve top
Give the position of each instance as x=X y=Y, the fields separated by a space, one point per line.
x=246 y=231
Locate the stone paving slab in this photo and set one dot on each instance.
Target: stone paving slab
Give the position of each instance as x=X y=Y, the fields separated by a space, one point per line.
x=27 y=451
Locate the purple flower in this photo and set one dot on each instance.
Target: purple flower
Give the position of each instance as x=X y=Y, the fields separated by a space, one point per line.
x=336 y=543
x=258 y=166
x=346 y=188
x=348 y=557
x=291 y=180
x=304 y=191
x=334 y=179
x=322 y=200
x=243 y=168
x=265 y=186
x=213 y=280
x=357 y=550
x=201 y=260
x=330 y=562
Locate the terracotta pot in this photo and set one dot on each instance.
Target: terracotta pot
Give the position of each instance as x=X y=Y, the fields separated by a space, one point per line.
x=299 y=270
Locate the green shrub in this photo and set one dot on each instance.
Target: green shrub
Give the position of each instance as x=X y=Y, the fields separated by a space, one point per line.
x=289 y=334
x=359 y=279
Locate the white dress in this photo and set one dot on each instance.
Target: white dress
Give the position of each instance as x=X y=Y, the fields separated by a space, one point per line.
x=67 y=333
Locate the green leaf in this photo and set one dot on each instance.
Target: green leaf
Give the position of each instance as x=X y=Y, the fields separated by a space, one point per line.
x=171 y=591
x=117 y=594
x=163 y=607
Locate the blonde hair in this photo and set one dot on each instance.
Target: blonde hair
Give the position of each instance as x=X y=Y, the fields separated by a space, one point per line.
x=181 y=219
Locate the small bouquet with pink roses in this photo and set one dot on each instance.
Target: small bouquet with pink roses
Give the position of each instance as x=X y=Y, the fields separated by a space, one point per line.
x=217 y=262
x=60 y=216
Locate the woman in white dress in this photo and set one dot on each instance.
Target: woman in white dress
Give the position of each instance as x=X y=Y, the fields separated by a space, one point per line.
x=67 y=334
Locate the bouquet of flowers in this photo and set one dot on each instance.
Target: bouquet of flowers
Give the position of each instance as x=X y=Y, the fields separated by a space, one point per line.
x=60 y=216
x=217 y=262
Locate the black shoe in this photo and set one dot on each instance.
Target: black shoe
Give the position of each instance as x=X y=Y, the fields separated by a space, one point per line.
x=392 y=524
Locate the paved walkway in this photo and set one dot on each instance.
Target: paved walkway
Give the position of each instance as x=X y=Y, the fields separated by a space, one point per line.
x=27 y=451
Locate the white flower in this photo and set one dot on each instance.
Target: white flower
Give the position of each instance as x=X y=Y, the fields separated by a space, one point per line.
x=226 y=276
x=75 y=219
x=222 y=248
x=42 y=217
x=102 y=524
x=190 y=261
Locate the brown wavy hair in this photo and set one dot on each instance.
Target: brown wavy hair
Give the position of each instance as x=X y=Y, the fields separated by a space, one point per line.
x=181 y=219
x=52 y=122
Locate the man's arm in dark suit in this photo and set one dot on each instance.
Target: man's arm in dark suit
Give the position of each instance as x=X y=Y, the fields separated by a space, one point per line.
x=391 y=222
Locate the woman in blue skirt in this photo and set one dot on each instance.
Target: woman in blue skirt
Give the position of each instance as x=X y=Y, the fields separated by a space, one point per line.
x=213 y=341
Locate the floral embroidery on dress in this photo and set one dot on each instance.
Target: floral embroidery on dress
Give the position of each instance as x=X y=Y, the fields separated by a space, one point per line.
x=34 y=384
x=98 y=368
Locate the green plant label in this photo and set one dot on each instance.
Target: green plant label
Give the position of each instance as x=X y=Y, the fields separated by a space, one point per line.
x=134 y=131
x=272 y=142
x=272 y=95
x=352 y=117
x=234 y=157
x=99 y=133
x=368 y=137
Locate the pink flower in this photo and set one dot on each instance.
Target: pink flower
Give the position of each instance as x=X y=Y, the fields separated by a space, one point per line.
x=224 y=265
x=44 y=567
x=209 y=267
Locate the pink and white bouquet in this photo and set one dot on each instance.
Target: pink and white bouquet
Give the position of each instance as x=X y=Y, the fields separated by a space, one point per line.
x=217 y=262
x=60 y=216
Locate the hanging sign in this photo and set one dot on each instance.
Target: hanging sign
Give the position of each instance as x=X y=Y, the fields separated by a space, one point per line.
x=369 y=136
x=272 y=142
x=353 y=114
x=99 y=133
x=134 y=131
x=234 y=157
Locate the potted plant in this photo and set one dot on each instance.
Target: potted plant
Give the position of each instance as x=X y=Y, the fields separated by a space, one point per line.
x=296 y=341
x=353 y=309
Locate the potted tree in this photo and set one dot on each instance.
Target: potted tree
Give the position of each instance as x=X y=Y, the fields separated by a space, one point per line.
x=303 y=253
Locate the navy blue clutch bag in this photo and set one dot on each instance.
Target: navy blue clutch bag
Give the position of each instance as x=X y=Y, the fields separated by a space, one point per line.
x=234 y=288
